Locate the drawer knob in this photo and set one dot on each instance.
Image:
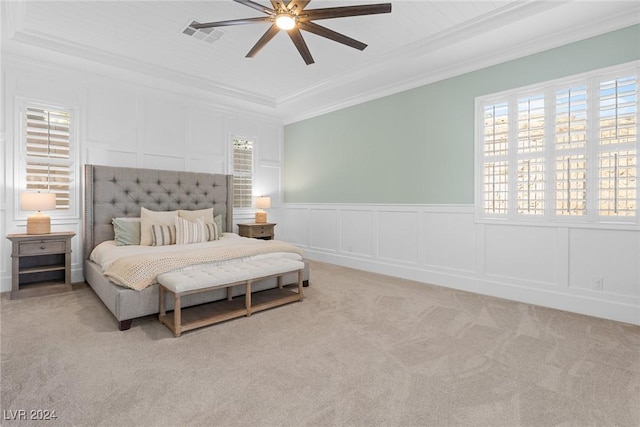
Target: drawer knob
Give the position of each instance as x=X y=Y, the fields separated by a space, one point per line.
x=43 y=247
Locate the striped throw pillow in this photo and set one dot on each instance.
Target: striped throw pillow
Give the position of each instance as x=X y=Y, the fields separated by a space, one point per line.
x=211 y=231
x=190 y=231
x=162 y=235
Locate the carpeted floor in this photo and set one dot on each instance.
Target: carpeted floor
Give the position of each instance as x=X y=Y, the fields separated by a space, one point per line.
x=361 y=350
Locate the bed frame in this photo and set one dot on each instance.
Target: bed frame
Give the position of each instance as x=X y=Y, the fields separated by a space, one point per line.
x=115 y=192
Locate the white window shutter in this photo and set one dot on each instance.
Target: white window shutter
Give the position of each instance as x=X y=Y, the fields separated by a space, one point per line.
x=242 y=173
x=47 y=148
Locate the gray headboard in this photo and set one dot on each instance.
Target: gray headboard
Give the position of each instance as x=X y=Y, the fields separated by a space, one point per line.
x=115 y=192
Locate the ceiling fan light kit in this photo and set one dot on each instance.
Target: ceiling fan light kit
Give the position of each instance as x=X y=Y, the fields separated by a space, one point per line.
x=286 y=21
x=291 y=16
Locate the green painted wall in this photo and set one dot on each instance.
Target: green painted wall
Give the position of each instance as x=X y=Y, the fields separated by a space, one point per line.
x=417 y=147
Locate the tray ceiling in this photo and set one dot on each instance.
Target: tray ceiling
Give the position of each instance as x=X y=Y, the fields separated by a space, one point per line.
x=419 y=42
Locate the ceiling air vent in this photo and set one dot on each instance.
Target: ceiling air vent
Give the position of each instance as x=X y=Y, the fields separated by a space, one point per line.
x=208 y=35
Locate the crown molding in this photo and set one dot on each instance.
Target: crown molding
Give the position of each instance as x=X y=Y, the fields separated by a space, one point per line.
x=422 y=73
x=197 y=98
x=86 y=54
x=505 y=14
x=404 y=69
x=12 y=17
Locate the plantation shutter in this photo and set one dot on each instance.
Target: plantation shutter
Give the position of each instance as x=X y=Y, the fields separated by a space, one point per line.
x=530 y=175
x=48 y=159
x=495 y=165
x=242 y=173
x=571 y=151
x=617 y=162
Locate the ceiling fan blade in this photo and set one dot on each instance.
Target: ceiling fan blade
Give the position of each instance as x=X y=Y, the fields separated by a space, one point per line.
x=256 y=6
x=297 y=39
x=276 y=4
x=266 y=37
x=197 y=26
x=344 y=11
x=331 y=35
x=297 y=5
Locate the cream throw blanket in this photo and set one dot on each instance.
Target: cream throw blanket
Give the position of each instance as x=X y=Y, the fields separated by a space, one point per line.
x=139 y=271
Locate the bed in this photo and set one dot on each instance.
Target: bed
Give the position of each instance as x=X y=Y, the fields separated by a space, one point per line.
x=119 y=192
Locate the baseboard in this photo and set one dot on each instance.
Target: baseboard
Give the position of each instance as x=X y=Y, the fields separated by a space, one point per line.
x=495 y=287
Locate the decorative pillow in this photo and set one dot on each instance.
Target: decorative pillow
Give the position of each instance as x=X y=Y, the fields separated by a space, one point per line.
x=217 y=220
x=190 y=232
x=126 y=231
x=162 y=235
x=149 y=218
x=211 y=232
x=205 y=214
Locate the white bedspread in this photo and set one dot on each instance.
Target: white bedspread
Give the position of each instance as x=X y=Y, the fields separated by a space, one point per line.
x=107 y=253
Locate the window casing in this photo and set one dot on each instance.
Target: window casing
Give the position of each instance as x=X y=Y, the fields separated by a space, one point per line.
x=564 y=151
x=243 y=153
x=48 y=153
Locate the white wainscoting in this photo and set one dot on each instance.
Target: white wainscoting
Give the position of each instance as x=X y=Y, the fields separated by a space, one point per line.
x=551 y=266
x=122 y=123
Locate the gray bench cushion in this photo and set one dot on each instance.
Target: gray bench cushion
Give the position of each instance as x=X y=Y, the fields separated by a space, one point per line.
x=221 y=275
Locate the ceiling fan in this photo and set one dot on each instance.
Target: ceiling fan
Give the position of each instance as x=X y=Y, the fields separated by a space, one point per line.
x=291 y=16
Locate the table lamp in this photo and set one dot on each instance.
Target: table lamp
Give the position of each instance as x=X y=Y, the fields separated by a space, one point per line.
x=38 y=223
x=262 y=203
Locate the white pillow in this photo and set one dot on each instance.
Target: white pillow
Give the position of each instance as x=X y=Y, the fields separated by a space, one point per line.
x=149 y=218
x=205 y=214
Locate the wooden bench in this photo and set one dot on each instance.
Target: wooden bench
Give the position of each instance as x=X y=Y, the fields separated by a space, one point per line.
x=186 y=282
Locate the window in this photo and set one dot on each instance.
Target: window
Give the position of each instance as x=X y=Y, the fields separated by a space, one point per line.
x=48 y=159
x=242 y=173
x=563 y=150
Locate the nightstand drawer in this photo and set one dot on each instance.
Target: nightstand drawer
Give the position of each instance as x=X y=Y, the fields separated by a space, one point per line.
x=257 y=230
x=42 y=248
x=261 y=231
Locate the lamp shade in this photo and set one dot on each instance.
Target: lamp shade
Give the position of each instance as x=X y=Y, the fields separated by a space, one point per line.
x=37 y=201
x=263 y=202
x=38 y=223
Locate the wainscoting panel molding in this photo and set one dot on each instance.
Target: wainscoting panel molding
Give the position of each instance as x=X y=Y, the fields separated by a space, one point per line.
x=324 y=230
x=521 y=252
x=295 y=225
x=449 y=241
x=397 y=235
x=108 y=157
x=112 y=117
x=356 y=232
x=206 y=164
x=156 y=161
x=619 y=252
x=590 y=271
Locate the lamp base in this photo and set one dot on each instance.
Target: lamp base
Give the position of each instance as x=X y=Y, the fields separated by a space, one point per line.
x=39 y=224
x=261 y=217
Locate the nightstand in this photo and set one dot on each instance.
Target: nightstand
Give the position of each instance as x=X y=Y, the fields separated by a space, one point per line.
x=257 y=231
x=40 y=264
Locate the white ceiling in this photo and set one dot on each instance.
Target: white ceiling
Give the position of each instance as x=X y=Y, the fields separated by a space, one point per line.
x=418 y=43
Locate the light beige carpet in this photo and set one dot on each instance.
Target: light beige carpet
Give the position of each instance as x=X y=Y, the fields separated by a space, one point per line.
x=361 y=350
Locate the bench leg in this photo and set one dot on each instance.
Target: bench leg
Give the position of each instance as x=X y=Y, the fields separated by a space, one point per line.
x=177 y=320
x=300 y=284
x=247 y=298
x=163 y=306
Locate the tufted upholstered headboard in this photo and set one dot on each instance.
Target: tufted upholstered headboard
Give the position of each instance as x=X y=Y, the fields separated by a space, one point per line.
x=115 y=192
